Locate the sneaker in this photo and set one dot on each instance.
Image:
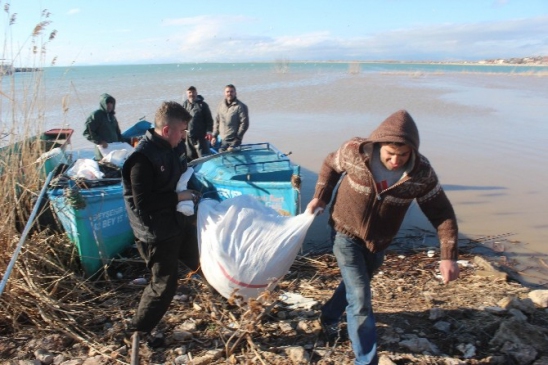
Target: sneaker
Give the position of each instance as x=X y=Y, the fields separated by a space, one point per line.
x=331 y=332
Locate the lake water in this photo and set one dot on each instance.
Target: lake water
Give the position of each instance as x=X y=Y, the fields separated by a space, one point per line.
x=483 y=128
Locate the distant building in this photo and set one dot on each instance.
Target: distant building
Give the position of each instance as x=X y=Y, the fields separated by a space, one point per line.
x=5 y=68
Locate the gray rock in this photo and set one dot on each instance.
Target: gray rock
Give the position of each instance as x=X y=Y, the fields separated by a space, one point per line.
x=182 y=359
x=517 y=314
x=494 y=310
x=520 y=333
x=468 y=350
x=521 y=354
x=421 y=345
x=539 y=297
x=189 y=325
x=436 y=313
x=44 y=356
x=507 y=303
x=443 y=326
x=526 y=305
x=180 y=336
x=542 y=361
x=297 y=354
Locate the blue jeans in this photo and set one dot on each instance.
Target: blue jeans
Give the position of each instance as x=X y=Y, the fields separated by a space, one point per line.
x=353 y=294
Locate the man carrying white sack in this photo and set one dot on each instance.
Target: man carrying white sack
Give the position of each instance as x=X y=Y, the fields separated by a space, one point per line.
x=378 y=178
x=163 y=235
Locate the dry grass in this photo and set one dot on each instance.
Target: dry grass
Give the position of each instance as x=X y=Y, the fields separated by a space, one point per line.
x=90 y=316
x=21 y=170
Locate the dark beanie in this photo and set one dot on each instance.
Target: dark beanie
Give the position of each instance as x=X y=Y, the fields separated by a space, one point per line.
x=398 y=127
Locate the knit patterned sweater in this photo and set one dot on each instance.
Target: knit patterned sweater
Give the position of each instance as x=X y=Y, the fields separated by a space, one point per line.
x=374 y=217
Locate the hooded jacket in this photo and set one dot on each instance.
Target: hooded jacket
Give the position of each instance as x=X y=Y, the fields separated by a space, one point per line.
x=102 y=125
x=202 y=121
x=361 y=211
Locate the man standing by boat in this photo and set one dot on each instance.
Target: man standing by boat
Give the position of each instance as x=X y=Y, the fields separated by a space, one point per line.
x=102 y=126
x=231 y=121
x=199 y=127
x=163 y=235
x=377 y=178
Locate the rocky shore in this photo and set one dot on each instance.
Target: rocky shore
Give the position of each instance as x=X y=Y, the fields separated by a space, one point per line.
x=483 y=318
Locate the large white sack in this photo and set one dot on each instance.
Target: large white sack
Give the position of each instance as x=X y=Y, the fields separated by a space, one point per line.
x=246 y=246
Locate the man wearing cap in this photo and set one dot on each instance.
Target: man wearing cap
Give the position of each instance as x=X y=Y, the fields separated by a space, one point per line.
x=378 y=178
x=101 y=126
x=200 y=125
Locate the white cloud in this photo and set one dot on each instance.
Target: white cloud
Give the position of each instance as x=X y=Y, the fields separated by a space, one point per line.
x=73 y=11
x=226 y=39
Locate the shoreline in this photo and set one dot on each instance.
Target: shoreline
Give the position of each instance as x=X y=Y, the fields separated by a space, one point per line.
x=543 y=63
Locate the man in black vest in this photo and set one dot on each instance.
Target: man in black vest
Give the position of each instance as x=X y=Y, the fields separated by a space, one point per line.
x=199 y=127
x=163 y=235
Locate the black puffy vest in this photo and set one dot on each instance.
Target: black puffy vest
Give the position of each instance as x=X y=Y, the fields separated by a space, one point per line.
x=168 y=166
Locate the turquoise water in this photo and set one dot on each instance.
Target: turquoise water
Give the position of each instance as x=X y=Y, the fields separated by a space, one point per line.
x=482 y=127
x=175 y=70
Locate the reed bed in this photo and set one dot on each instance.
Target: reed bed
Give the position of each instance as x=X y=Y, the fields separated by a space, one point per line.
x=39 y=271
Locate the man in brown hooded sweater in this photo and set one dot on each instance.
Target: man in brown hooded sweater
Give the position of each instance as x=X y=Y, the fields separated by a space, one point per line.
x=378 y=177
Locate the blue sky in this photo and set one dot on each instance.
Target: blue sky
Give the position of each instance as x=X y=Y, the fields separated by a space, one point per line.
x=168 y=31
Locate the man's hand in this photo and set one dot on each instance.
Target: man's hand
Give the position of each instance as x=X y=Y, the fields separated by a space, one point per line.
x=449 y=270
x=315 y=204
x=189 y=195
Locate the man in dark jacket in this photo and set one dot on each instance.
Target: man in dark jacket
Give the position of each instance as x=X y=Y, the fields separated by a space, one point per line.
x=163 y=235
x=378 y=178
x=199 y=127
x=101 y=126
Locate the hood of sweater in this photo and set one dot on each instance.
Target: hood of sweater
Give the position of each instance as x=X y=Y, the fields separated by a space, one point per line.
x=105 y=98
x=398 y=127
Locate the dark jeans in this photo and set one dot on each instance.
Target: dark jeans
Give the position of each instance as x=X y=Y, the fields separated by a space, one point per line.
x=357 y=266
x=197 y=147
x=162 y=259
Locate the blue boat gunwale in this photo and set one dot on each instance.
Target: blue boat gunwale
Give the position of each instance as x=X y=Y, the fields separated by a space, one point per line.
x=257 y=169
x=226 y=160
